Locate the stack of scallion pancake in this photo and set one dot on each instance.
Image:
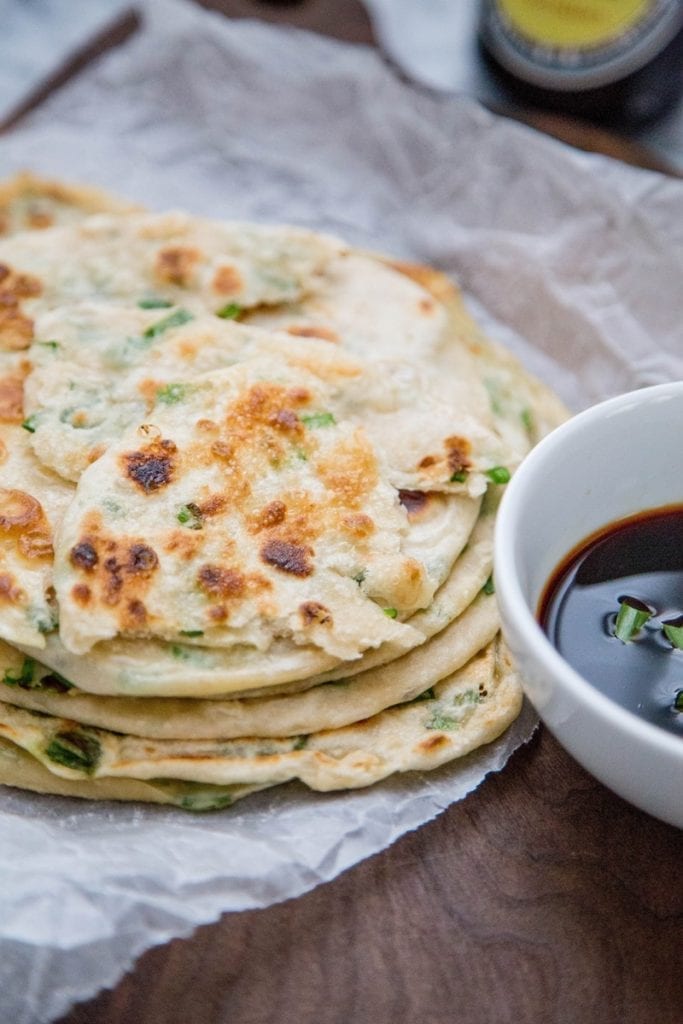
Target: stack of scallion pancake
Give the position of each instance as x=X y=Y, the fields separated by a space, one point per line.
x=248 y=483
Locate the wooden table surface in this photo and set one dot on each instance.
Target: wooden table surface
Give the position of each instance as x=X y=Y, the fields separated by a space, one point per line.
x=541 y=899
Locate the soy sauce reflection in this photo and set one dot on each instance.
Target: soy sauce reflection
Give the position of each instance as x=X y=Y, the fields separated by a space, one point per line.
x=641 y=558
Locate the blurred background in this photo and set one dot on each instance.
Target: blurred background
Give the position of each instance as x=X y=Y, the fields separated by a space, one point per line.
x=605 y=76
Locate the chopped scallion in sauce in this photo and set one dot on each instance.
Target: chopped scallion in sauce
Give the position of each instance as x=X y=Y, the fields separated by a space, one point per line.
x=614 y=610
x=673 y=631
x=631 y=618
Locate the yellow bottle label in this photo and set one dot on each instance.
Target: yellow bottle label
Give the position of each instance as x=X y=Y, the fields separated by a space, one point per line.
x=574 y=23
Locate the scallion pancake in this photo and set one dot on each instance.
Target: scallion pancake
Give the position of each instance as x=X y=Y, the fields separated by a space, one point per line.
x=460 y=714
x=168 y=708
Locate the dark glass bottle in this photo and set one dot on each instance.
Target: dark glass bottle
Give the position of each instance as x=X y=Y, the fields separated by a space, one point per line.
x=619 y=62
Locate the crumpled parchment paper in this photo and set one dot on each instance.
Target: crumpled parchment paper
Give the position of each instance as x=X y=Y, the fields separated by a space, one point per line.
x=40 y=36
x=573 y=261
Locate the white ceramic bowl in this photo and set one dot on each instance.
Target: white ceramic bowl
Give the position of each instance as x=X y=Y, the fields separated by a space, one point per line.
x=614 y=460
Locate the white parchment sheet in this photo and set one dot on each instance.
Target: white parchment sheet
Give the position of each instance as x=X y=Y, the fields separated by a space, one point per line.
x=579 y=258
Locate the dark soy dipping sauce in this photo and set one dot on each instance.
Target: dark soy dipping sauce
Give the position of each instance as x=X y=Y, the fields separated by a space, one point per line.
x=641 y=558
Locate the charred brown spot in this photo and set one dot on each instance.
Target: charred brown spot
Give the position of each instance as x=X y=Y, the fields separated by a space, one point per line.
x=22 y=519
x=81 y=593
x=151 y=468
x=258 y=429
x=176 y=264
x=18 y=510
x=433 y=743
x=96 y=453
x=285 y=419
x=84 y=556
x=311 y=331
x=113 y=580
x=210 y=506
x=458 y=450
x=427 y=461
x=24 y=286
x=218 y=613
x=314 y=612
x=136 y=614
x=188 y=349
x=299 y=395
x=227 y=281
x=426 y=306
x=3 y=452
x=414 y=502
x=142 y=560
x=183 y=543
x=349 y=471
x=10 y=593
x=223 y=449
x=16 y=330
x=36 y=544
x=137 y=562
x=287 y=557
x=39 y=219
x=437 y=284
x=18 y=285
x=11 y=400
x=272 y=515
x=358 y=523
x=220 y=582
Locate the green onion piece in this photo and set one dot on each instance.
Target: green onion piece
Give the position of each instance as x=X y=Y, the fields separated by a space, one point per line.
x=300 y=742
x=24 y=678
x=175 y=319
x=441 y=721
x=75 y=749
x=390 y=612
x=673 y=631
x=53 y=345
x=180 y=652
x=319 y=419
x=489 y=587
x=678 y=701
x=425 y=695
x=459 y=477
x=360 y=576
x=172 y=393
x=154 y=303
x=192 y=632
x=498 y=475
x=54 y=683
x=632 y=616
x=190 y=516
x=30 y=424
x=229 y=312
x=527 y=418
x=467 y=697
